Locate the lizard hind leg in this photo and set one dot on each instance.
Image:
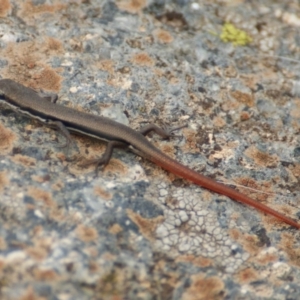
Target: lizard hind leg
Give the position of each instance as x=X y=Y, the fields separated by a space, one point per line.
x=106 y=156
x=165 y=134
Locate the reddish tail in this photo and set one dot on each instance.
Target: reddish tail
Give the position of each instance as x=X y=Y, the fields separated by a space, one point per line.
x=186 y=173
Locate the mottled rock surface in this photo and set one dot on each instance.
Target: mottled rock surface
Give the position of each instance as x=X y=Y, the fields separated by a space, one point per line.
x=227 y=69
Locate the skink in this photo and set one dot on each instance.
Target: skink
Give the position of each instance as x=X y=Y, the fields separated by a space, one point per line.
x=28 y=101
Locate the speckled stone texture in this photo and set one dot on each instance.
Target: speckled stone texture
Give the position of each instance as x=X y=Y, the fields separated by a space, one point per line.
x=135 y=231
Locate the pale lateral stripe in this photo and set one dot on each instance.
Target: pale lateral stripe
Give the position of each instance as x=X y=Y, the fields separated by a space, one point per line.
x=46 y=121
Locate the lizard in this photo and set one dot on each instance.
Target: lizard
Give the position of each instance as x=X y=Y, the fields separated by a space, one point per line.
x=27 y=101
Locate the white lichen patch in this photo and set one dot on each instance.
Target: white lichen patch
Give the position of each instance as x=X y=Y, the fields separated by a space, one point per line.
x=191 y=228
